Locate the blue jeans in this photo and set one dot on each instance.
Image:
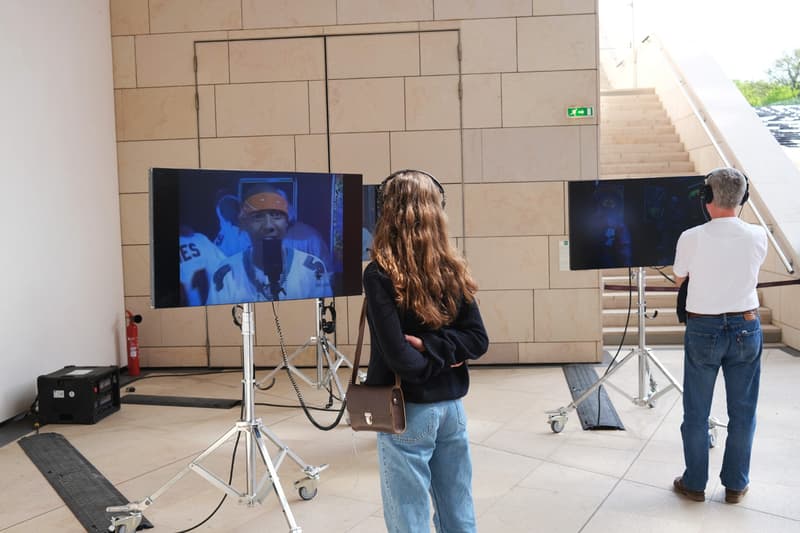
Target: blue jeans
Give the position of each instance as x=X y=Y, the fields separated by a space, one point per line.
x=429 y=461
x=733 y=344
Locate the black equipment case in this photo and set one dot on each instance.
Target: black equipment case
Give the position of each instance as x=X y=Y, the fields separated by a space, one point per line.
x=78 y=394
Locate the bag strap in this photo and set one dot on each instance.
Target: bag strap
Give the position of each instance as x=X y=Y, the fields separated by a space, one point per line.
x=360 y=342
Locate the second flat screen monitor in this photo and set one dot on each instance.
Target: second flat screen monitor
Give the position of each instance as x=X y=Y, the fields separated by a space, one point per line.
x=631 y=222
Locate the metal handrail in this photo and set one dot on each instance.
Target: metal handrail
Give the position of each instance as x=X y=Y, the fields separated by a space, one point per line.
x=690 y=100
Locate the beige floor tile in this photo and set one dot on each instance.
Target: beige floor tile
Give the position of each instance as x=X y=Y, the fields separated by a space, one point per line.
x=635 y=508
x=496 y=474
x=561 y=499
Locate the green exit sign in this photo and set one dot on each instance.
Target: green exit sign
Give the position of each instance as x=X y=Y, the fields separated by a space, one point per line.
x=573 y=112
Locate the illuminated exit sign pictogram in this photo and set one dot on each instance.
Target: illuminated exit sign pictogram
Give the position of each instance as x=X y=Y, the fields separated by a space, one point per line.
x=578 y=112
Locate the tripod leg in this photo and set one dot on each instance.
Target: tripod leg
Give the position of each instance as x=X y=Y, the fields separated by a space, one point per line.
x=140 y=506
x=341 y=358
x=273 y=477
x=600 y=381
x=664 y=371
x=292 y=368
x=333 y=366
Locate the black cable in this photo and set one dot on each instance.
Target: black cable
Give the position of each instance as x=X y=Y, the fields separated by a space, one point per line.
x=311 y=407
x=267 y=387
x=230 y=475
x=661 y=271
x=183 y=374
x=621 y=342
x=294 y=383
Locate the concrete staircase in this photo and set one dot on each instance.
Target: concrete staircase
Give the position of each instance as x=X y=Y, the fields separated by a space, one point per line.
x=637 y=139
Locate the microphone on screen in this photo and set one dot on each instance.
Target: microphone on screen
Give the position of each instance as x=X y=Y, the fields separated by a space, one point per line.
x=272 y=250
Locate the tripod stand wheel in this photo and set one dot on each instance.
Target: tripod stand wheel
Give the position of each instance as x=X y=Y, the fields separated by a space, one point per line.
x=125 y=523
x=307 y=488
x=557 y=424
x=307 y=494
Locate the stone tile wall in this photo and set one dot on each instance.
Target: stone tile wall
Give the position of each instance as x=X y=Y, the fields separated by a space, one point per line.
x=503 y=151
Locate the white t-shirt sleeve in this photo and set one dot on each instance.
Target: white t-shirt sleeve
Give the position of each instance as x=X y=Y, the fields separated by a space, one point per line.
x=682 y=255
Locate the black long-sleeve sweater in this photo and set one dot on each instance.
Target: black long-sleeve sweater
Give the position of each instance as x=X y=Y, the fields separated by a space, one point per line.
x=427 y=376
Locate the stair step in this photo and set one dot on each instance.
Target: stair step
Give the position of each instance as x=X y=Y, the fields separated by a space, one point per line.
x=621 y=104
x=647 y=91
x=633 y=120
x=650 y=280
x=648 y=271
x=640 y=138
x=662 y=335
x=656 y=300
x=641 y=157
x=649 y=129
x=628 y=148
x=628 y=102
x=646 y=168
x=643 y=108
x=639 y=174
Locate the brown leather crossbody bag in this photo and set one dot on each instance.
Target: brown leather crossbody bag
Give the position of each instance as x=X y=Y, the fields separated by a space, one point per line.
x=374 y=408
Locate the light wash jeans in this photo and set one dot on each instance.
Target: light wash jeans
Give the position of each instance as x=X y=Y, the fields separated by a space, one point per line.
x=733 y=344
x=429 y=461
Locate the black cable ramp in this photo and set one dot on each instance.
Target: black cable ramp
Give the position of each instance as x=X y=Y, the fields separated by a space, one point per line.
x=84 y=490
x=180 y=401
x=579 y=378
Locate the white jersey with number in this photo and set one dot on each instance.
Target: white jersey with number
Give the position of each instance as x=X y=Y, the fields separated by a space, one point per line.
x=238 y=280
x=199 y=258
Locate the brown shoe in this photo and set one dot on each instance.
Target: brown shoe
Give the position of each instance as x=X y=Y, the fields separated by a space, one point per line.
x=735 y=496
x=694 y=495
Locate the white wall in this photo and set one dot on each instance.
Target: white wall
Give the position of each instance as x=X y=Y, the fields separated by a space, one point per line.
x=61 y=265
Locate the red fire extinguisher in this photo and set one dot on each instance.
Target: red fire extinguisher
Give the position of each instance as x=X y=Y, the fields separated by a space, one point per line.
x=132 y=334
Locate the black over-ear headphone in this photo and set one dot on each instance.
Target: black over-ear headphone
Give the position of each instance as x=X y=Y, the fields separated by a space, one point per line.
x=707 y=193
x=390 y=177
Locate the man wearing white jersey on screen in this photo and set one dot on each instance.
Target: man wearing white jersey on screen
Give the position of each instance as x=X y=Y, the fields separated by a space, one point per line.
x=199 y=258
x=268 y=269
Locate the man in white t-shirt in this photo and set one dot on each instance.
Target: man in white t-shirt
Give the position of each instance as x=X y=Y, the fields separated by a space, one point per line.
x=721 y=258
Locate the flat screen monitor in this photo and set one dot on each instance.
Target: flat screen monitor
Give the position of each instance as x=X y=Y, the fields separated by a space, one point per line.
x=631 y=222
x=369 y=218
x=231 y=237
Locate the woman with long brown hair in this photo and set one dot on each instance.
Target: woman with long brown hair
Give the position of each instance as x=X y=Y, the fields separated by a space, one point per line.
x=424 y=325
